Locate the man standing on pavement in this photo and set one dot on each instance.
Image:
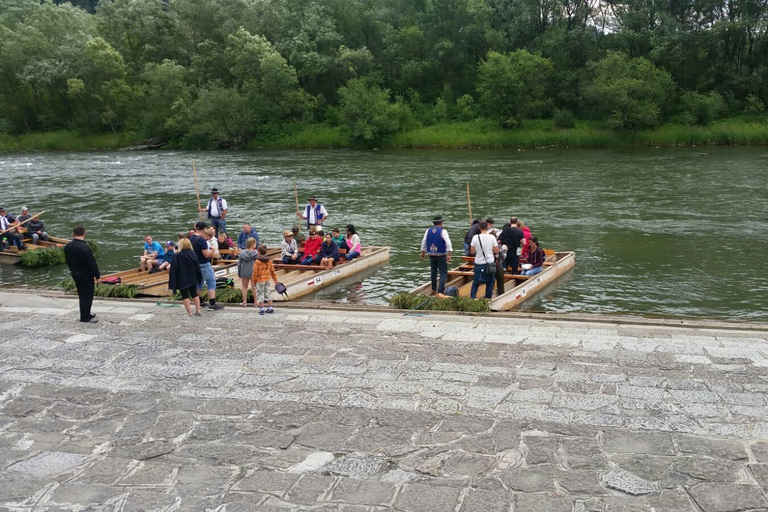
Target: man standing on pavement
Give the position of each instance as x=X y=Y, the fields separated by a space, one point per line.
x=217 y=211
x=437 y=244
x=203 y=252
x=82 y=264
x=35 y=227
x=511 y=236
x=314 y=213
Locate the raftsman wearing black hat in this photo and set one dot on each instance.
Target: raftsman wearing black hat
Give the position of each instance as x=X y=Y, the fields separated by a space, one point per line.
x=437 y=220
x=214 y=191
x=312 y=198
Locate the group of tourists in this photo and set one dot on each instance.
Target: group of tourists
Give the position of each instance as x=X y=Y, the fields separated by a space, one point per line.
x=14 y=228
x=254 y=267
x=511 y=249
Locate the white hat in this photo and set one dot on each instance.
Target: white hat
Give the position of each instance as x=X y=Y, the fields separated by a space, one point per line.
x=24 y=209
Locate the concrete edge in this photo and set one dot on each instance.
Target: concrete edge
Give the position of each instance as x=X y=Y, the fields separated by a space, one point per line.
x=629 y=320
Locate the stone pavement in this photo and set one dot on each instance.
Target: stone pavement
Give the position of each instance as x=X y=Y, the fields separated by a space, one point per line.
x=359 y=411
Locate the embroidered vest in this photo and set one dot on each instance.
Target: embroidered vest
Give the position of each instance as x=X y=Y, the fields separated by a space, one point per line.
x=218 y=203
x=317 y=214
x=435 y=243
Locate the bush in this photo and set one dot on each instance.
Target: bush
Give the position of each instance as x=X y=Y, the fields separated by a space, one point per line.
x=701 y=109
x=753 y=105
x=404 y=300
x=466 y=110
x=368 y=112
x=563 y=119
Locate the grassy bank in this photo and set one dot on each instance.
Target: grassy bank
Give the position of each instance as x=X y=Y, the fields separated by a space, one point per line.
x=538 y=133
x=474 y=134
x=64 y=141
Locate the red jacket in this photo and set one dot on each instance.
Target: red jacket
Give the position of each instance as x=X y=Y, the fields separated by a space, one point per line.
x=312 y=246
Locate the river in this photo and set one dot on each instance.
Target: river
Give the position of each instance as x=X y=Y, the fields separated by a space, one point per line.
x=669 y=231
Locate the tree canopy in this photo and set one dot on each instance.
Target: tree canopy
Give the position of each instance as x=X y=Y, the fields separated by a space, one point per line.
x=217 y=72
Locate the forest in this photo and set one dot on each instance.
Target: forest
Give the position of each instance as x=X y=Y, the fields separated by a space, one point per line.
x=226 y=73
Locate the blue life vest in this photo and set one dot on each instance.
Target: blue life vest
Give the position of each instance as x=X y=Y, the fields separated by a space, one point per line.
x=317 y=214
x=218 y=203
x=435 y=242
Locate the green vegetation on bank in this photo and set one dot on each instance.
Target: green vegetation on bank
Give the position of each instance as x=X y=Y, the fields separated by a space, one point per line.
x=99 y=74
x=416 y=302
x=470 y=134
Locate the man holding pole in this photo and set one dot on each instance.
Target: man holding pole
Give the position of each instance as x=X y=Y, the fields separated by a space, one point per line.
x=9 y=229
x=314 y=213
x=84 y=269
x=437 y=244
x=217 y=211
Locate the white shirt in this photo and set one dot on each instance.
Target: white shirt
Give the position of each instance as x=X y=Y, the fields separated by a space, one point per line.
x=312 y=218
x=215 y=206
x=3 y=223
x=444 y=236
x=484 y=253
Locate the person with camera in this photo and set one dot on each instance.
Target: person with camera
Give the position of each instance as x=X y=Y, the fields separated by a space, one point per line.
x=484 y=248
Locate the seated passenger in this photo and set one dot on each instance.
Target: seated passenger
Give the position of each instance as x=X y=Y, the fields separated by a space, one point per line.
x=153 y=254
x=35 y=227
x=289 y=251
x=168 y=258
x=11 y=233
x=337 y=238
x=300 y=238
x=245 y=234
x=536 y=258
x=225 y=243
x=524 y=245
x=329 y=252
x=311 y=248
x=353 y=243
x=210 y=236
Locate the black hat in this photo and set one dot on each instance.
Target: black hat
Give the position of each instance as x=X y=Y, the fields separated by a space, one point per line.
x=437 y=220
x=312 y=198
x=214 y=191
x=200 y=225
x=2 y=209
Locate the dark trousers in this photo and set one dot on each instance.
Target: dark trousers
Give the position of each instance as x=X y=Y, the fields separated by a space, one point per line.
x=512 y=261
x=438 y=263
x=482 y=276
x=85 y=288
x=14 y=239
x=499 y=279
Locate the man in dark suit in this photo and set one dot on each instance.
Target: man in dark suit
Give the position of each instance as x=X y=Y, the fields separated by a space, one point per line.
x=84 y=270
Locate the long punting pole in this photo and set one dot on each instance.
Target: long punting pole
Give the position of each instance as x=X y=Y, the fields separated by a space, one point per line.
x=197 y=191
x=469 y=204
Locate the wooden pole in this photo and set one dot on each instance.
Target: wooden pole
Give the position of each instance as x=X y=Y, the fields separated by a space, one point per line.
x=296 y=197
x=197 y=191
x=469 y=205
x=21 y=223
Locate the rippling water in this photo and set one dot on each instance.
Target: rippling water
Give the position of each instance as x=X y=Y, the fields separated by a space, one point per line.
x=679 y=232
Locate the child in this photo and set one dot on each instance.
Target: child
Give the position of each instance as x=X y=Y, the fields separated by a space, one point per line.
x=337 y=238
x=225 y=243
x=329 y=252
x=263 y=269
x=245 y=261
x=168 y=258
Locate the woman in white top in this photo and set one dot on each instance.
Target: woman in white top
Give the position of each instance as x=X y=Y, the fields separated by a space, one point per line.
x=353 y=243
x=485 y=248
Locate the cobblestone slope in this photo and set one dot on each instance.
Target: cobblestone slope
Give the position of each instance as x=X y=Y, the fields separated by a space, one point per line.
x=334 y=410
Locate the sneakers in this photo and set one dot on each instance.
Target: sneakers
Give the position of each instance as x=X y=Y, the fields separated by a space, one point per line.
x=198 y=314
x=270 y=310
x=154 y=270
x=261 y=311
x=215 y=307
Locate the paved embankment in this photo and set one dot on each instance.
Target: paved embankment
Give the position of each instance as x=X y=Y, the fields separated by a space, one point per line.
x=353 y=411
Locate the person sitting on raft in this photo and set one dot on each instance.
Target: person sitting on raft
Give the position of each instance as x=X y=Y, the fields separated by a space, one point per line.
x=339 y=240
x=153 y=254
x=311 y=249
x=536 y=258
x=35 y=227
x=245 y=234
x=168 y=258
x=289 y=251
x=225 y=243
x=353 y=243
x=329 y=252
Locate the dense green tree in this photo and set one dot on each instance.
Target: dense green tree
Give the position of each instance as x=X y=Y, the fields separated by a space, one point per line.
x=628 y=94
x=514 y=86
x=368 y=112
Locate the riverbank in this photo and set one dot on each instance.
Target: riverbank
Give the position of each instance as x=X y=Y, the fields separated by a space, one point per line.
x=150 y=408
x=473 y=134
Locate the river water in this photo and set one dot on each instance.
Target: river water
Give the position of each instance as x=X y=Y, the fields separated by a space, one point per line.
x=671 y=231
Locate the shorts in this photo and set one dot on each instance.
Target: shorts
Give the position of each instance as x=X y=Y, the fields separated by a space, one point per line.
x=189 y=293
x=209 y=278
x=262 y=292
